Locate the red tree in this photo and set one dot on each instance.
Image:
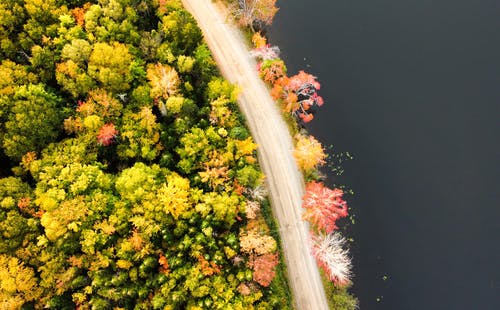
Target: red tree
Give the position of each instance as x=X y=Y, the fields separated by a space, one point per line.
x=264 y=268
x=323 y=206
x=305 y=87
x=107 y=134
x=297 y=94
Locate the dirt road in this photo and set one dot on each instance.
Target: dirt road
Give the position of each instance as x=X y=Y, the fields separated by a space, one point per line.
x=285 y=183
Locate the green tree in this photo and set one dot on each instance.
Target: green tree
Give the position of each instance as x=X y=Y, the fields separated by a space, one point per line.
x=78 y=51
x=12 y=18
x=225 y=207
x=16 y=226
x=112 y=20
x=42 y=23
x=181 y=31
x=34 y=121
x=73 y=78
x=58 y=155
x=140 y=136
x=196 y=146
x=12 y=75
x=204 y=66
x=138 y=182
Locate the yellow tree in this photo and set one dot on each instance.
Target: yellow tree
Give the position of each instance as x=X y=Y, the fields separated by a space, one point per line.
x=18 y=283
x=12 y=75
x=111 y=66
x=173 y=196
x=164 y=82
x=308 y=152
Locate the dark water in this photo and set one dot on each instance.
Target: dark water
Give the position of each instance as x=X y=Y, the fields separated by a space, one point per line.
x=412 y=89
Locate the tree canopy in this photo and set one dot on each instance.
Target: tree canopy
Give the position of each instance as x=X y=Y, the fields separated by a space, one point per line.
x=130 y=179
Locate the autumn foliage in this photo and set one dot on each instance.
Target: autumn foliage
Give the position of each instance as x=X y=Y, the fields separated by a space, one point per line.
x=323 y=206
x=264 y=268
x=297 y=94
x=250 y=12
x=131 y=181
x=107 y=134
x=258 y=40
x=208 y=268
x=329 y=251
x=308 y=152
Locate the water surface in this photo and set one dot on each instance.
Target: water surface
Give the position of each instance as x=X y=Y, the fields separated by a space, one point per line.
x=412 y=89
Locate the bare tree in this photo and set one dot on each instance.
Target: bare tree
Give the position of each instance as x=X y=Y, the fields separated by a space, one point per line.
x=332 y=257
x=255 y=12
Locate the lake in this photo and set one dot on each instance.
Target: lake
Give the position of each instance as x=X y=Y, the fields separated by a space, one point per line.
x=412 y=90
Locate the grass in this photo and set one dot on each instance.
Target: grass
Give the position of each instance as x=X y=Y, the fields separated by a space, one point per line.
x=279 y=286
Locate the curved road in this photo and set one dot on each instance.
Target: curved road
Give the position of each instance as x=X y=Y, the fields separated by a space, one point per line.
x=284 y=181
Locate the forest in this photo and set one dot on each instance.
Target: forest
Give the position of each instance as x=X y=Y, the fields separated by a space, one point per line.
x=128 y=177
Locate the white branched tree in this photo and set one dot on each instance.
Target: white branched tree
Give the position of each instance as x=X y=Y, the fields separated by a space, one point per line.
x=331 y=255
x=266 y=52
x=249 y=12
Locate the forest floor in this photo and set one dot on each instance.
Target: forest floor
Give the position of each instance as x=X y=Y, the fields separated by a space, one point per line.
x=284 y=181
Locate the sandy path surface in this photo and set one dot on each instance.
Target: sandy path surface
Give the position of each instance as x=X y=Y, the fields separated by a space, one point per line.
x=284 y=181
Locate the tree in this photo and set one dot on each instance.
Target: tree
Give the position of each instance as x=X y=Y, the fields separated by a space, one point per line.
x=12 y=75
x=138 y=182
x=272 y=70
x=253 y=242
x=180 y=31
x=328 y=249
x=34 y=121
x=140 y=135
x=297 y=94
x=43 y=20
x=164 y=82
x=196 y=146
x=249 y=176
x=216 y=170
x=78 y=51
x=305 y=87
x=102 y=103
x=266 y=52
x=73 y=78
x=185 y=64
x=204 y=66
x=248 y=12
x=264 y=268
x=12 y=18
x=16 y=207
x=259 y=40
x=323 y=206
x=308 y=152
x=60 y=222
x=18 y=283
x=112 y=20
x=224 y=206
x=107 y=134
x=173 y=196
x=110 y=65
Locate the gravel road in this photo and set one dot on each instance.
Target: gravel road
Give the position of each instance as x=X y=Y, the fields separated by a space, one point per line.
x=284 y=181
